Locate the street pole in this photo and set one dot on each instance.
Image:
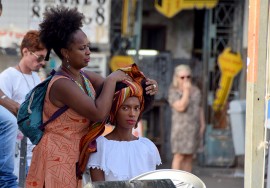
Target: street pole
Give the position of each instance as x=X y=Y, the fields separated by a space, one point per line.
x=256 y=94
x=137 y=29
x=268 y=103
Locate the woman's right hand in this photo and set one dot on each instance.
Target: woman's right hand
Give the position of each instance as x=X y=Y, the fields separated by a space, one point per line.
x=187 y=85
x=119 y=76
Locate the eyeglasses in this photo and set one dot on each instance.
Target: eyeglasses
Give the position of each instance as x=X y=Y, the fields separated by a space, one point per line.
x=40 y=58
x=183 y=77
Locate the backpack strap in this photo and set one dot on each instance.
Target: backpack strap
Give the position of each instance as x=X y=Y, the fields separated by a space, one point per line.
x=83 y=73
x=54 y=116
x=60 y=110
x=52 y=72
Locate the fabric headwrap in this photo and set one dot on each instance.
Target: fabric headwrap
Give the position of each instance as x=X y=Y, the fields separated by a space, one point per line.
x=134 y=88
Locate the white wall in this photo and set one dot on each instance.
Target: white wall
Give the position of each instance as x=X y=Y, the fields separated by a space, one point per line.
x=15 y=13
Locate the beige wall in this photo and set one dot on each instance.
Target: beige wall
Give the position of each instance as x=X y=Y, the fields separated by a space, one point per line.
x=8 y=61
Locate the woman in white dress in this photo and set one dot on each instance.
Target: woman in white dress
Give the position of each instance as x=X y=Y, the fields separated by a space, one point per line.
x=121 y=155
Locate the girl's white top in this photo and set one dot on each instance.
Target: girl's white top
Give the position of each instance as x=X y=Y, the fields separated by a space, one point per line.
x=123 y=160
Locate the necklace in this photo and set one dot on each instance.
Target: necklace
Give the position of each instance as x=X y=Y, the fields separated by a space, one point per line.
x=28 y=85
x=87 y=85
x=86 y=82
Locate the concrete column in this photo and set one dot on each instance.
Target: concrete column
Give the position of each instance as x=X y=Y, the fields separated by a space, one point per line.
x=256 y=94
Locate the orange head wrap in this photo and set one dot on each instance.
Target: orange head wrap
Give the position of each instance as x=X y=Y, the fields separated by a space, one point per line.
x=132 y=89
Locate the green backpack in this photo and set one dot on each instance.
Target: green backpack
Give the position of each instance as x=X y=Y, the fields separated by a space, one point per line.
x=29 y=117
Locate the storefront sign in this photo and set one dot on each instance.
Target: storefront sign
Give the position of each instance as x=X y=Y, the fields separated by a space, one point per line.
x=11 y=37
x=96 y=12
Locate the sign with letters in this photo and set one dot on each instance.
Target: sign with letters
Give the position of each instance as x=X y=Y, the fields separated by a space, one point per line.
x=96 y=12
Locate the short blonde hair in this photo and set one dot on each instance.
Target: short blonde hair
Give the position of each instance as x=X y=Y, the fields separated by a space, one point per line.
x=178 y=69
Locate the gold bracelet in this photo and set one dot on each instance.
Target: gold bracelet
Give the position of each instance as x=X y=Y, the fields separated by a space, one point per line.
x=3 y=96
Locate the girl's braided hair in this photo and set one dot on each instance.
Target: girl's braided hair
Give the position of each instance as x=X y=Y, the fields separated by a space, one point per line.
x=57 y=28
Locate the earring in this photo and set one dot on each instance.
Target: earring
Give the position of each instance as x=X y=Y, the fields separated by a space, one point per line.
x=68 y=66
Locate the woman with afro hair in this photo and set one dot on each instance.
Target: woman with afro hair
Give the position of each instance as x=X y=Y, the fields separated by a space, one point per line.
x=87 y=95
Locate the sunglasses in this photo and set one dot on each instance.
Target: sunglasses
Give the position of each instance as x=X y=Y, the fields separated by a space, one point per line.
x=183 y=77
x=40 y=58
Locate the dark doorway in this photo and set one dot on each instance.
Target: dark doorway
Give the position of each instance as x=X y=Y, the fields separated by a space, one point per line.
x=198 y=33
x=153 y=37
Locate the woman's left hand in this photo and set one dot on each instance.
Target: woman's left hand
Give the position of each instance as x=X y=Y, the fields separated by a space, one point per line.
x=152 y=87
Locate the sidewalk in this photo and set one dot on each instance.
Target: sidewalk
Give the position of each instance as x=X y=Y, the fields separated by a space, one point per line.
x=216 y=177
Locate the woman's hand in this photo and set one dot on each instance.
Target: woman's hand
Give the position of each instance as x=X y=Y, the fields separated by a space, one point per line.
x=187 y=86
x=119 y=76
x=152 y=86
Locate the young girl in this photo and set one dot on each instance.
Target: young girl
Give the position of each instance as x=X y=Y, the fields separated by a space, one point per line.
x=121 y=155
